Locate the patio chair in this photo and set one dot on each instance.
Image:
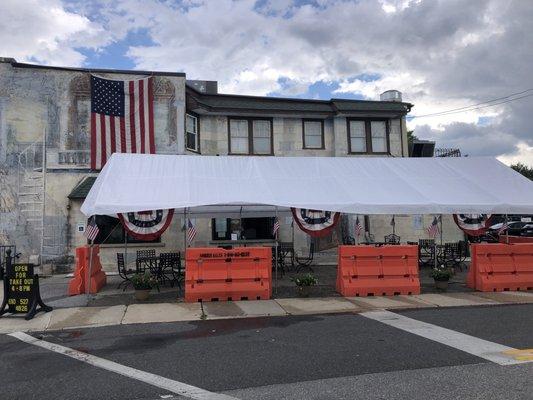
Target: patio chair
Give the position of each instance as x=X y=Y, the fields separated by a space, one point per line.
x=170 y=267
x=392 y=239
x=305 y=262
x=146 y=259
x=426 y=252
x=123 y=272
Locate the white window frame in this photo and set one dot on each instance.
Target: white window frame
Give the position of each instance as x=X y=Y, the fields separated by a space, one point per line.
x=196 y=133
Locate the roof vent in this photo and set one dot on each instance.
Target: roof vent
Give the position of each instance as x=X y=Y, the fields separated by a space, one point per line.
x=391 y=95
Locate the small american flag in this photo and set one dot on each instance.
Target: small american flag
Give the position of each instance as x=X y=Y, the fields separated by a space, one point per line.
x=433 y=229
x=191 y=232
x=91 y=231
x=276 y=226
x=358 y=227
x=122 y=118
x=503 y=228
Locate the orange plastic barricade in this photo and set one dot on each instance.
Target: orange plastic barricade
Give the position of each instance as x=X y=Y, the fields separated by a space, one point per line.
x=213 y=274
x=375 y=271
x=515 y=239
x=97 y=280
x=497 y=267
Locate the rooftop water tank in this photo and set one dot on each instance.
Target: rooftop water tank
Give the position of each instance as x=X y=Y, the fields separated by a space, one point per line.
x=391 y=95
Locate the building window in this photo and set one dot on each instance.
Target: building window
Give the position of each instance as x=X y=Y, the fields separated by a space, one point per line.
x=368 y=136
x=111 y=231
x=250 y=136
x=242 y=228
x=191 y=133
x=378 y=130
x=313 y=134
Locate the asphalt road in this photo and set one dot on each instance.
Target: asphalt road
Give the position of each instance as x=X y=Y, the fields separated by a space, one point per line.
x=314 y=357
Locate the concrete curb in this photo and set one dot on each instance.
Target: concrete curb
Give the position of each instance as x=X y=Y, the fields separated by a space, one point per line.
x=83 y=317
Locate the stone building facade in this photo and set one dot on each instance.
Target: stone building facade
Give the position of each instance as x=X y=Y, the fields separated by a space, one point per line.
x=45 y=152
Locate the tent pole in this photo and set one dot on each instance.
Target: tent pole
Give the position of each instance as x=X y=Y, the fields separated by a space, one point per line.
x=126 y=251
x=88 y=288
x=440 y=220
x=184 y=230
x=276 y=259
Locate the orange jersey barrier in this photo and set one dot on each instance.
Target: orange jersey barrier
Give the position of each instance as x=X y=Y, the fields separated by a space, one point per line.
x=515 y=239
x=497 y=267
x=213 y=274
x=97 y=280
x=375 y=271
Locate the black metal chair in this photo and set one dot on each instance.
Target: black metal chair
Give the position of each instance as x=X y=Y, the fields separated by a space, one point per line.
x=123 y=271
x=146 y=260
x=392 y=239
x=426 y=252
x=305 y=262
x=452 y=255
x=170 y=267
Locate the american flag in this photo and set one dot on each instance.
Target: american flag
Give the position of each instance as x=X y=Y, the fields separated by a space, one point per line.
x=122 y=118
x=276 y=226
x=433 y=229
x=191 y=232
x=91 y=231
x=358 y=227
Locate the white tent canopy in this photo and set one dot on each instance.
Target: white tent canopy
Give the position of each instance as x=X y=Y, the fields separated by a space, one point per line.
x=211 y=185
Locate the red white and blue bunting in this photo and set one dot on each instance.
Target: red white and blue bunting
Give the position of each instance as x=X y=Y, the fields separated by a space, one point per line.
x=473 y=224
x=146 y=225
x=315 y=223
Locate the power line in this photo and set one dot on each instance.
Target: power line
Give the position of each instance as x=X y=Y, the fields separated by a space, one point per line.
x=477 y=106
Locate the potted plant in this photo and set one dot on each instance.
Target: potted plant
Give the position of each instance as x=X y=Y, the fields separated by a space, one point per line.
x=143 y=284
x=304 y=283
x=441 y=276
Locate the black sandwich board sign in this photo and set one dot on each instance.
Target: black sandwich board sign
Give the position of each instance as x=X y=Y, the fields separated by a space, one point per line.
x=21 y=290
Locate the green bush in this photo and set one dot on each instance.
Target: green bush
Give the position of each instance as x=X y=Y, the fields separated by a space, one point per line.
x=306 y=280
x=143 y=281
x=441 y=274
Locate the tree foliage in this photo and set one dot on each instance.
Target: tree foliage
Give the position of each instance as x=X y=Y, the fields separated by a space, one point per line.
x=524 y=169
x=411 y=136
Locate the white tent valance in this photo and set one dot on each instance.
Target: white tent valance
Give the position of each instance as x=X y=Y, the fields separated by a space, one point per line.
x=362 y=185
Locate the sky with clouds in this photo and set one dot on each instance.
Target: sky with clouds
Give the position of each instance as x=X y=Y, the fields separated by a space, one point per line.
x=441 y=54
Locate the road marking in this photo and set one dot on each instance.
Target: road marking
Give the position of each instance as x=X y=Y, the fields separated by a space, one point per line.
x=491 y=351
x=180 y=388
x=521 y=354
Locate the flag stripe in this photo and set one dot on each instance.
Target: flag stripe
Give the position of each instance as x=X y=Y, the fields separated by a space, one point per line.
x=112 y=134
x=141 y=114
x=122 y=135
x=102 y=140
x=151 y=114
x=137 y=118
x=131 y=97
x=94 y=135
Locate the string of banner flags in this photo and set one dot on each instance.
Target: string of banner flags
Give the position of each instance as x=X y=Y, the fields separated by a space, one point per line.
x=150 y=225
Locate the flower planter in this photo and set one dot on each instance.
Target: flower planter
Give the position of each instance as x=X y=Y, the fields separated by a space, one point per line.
x=303 y=291
x=442 y=284
x=142 y=294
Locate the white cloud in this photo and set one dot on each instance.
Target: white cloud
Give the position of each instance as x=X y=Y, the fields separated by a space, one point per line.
x=440 y=54
x=45 y=32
